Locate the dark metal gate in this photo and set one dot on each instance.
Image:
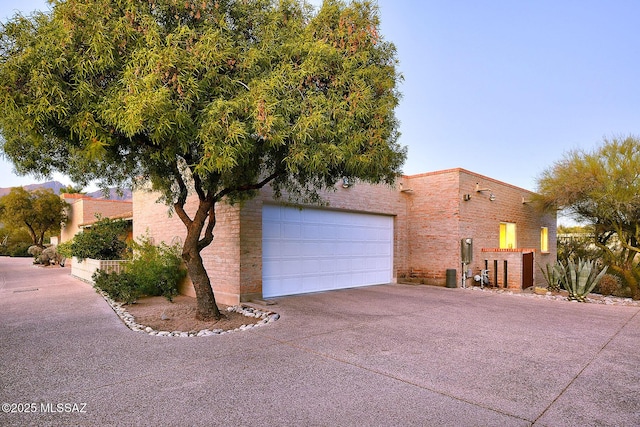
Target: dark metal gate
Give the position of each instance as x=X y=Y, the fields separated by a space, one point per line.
x=527 y=270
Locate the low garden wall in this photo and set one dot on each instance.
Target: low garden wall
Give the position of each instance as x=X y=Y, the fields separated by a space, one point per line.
x=84 y=270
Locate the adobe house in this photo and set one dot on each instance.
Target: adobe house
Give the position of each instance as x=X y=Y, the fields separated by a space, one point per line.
x=83 y=210
x=367 y=235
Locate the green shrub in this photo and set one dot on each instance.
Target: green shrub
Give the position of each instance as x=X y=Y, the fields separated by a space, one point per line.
x=153 y=271
x=64 y=249
x=19 y=249
x=156 y=269
x=14 y=242
x=104 y=240
x=119 y=286
x=579 y=279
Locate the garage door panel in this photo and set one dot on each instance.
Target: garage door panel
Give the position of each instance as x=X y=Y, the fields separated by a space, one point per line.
x=270 y=229
x=290 y=248
x=310 y=266
x=314 y=250
x=291 y=214
x=271 y=268
x=327 y=266
x=383 y=249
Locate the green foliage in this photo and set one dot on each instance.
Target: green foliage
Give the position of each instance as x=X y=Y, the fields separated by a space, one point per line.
x=14 y=242
x=577 y=244
x=70 y=189
x=38 y=212
x=119 y=286
x=153 y=271
x=156 y=269
x=19 y=249
x=601 y=188
x=65 y=249
x=579 y=279
x=104 y=240
x=234 y=91
x=550 y=274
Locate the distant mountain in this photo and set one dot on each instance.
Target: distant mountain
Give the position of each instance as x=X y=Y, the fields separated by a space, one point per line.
x=56 y=186
x=113 y=194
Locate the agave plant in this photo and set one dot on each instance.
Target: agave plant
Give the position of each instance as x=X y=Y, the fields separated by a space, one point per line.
x=551 y=277
x=579 y=279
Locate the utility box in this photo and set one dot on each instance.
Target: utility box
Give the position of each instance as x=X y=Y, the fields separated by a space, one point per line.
x=466 y=250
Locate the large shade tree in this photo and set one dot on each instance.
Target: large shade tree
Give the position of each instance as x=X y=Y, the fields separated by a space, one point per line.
x=601 y=188
x=37 y=212
x=214 y=97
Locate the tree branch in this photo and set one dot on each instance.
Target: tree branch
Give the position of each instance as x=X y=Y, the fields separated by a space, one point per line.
x=248 y=187
x=208 y=234
x=182 y=199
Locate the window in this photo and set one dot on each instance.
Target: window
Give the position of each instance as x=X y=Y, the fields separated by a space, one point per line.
x=544 y=239
x=507 y=235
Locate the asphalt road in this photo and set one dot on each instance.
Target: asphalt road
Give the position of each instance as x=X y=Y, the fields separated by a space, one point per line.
x=376 y=356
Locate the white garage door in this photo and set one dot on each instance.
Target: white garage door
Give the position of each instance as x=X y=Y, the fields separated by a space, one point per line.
x=312 y=250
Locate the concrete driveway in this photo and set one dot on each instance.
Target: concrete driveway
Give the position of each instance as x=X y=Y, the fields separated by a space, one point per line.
x=377 y=356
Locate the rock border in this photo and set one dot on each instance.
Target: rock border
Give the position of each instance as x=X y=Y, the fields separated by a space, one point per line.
x=606 y=300
x=129 y=320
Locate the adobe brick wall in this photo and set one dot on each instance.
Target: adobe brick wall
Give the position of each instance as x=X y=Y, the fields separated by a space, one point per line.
x=235 y=264
x=482 y=217
x=514 y=266
x=74 y=218
x=430 y=219
x=221 y=258
x=441 y=218
x=83 y=210
x=432 y=222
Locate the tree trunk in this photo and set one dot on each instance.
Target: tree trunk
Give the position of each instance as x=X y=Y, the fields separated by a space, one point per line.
x=207 y=309
x=34 y=236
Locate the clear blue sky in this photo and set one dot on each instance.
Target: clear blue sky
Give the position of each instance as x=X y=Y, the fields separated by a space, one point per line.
x=500 y=87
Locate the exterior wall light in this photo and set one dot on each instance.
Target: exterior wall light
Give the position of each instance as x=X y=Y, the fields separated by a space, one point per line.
x=492 y=196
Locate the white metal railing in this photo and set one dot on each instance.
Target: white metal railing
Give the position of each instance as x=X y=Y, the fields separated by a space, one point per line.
x=85 y=269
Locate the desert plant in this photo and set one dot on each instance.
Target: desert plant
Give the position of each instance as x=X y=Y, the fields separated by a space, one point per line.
x=579 y=279
x=551 y=277
x=608 y=285
x=35 y=251
x=64 y=249
x=50 y=255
